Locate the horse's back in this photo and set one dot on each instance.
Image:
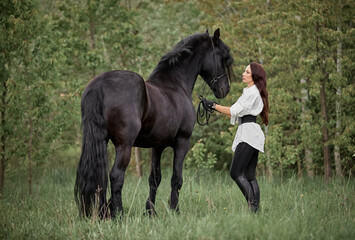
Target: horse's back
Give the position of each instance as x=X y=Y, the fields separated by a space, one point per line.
x=124 y=96
x=117 y=81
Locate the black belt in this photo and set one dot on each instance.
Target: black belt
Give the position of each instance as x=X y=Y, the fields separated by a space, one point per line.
x=248 y=118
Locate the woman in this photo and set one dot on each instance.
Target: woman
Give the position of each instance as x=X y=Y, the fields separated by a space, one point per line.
x=249 y=139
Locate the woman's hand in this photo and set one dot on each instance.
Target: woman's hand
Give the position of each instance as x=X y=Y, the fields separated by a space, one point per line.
x=211 y=105
x=208 y=104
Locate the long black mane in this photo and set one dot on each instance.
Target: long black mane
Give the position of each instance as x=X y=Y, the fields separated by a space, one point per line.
x=184 y=50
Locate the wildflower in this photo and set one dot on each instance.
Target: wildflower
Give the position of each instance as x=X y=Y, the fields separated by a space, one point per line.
x=301 y=195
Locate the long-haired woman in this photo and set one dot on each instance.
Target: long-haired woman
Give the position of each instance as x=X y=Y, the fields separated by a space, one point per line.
x=249 y=139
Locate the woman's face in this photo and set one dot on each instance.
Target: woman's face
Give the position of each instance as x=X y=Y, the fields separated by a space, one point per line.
x=247 y=78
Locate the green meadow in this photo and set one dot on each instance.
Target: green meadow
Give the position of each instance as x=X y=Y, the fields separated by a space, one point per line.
x=211 y=207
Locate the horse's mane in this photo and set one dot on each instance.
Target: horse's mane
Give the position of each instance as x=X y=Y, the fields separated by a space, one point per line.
x=185 y=48
x=181 y=50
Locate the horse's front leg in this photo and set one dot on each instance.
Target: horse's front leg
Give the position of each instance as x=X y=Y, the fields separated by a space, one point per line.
x=123 y=156
x=180 y=150
x=154 y=180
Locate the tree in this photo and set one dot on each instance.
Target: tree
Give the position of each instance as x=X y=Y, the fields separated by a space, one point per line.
x=295 y=41
x=28 y=86
x=13 y=18
x=322 y=67
x=93 y=37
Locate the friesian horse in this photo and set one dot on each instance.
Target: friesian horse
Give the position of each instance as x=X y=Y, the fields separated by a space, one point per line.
x=120 y=106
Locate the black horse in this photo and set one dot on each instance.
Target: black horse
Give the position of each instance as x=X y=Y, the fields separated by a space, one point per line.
x=121 y=107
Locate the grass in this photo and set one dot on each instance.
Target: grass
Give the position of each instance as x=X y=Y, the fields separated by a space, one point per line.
x=211 y=207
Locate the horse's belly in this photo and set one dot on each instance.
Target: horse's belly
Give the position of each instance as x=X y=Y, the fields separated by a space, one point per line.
x=151 y=140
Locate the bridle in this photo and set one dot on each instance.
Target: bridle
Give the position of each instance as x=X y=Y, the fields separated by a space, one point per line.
x=215 y=75
x=206 y=112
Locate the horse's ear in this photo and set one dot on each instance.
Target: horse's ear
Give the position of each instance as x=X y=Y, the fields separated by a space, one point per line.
x=207 y=30
x=216 y=36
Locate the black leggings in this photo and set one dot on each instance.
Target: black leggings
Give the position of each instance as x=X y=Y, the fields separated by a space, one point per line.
x=243 y=173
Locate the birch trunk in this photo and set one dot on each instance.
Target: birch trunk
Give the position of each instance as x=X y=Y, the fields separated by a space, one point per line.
x=304 y=99
x=323 y=105
x=337 y=159
x=299 y=165
x=326 y=150
x=138 y=158
x=307 y=151
x=267 y=152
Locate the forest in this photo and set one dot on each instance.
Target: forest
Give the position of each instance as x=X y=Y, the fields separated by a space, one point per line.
x=50 y=50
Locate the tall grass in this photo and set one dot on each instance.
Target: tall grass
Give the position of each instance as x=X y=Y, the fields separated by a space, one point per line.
x=211 y=207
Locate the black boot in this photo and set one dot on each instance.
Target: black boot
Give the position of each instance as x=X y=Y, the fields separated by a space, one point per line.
x=245 y=187
x=255 y=200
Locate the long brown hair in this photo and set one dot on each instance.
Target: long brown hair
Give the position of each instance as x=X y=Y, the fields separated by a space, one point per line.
x=259 y=77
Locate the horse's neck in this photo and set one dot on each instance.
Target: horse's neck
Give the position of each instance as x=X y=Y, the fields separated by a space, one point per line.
x=183 y=76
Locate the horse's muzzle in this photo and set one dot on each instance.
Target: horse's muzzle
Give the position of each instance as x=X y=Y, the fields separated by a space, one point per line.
x=222 y=92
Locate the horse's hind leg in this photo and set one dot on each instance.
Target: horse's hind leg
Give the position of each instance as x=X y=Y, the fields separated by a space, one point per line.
x=123 y=156
x=180 y=150
x=154 y=180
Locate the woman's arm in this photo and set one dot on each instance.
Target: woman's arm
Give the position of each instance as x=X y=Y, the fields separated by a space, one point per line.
x=223 y=109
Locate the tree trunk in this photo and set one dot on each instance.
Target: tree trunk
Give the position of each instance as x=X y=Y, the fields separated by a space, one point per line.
x=309 y=163
x=337 y=159
x=307 y=151
x=304 y=99
x=269 y=171
x=326 y=150
x=267 y=152
x=299 y=165
x=138 y=157
x=323 y=103
x=128 y=4
x=281 y=173
x=29 y=156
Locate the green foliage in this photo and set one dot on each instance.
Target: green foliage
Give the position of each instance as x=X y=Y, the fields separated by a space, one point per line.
x=201 y=158
x=51 y=49
x=29 y=81
x=293 y=41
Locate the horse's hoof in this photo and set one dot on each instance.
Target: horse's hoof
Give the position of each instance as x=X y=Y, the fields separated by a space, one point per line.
x=150 y=213
x=177 y=210
x=116 y=214
x=174 y=207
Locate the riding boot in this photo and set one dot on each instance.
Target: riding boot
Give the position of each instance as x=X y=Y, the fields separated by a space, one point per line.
x=255 y=200
x=245 y=187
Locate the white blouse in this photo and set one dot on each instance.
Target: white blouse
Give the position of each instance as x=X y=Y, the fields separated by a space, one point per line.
x=249 y=103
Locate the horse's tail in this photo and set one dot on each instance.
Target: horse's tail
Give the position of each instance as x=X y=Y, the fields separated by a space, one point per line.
x=91 y=175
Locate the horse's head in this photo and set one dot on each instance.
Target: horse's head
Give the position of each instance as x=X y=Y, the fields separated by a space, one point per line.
x=217 y=65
